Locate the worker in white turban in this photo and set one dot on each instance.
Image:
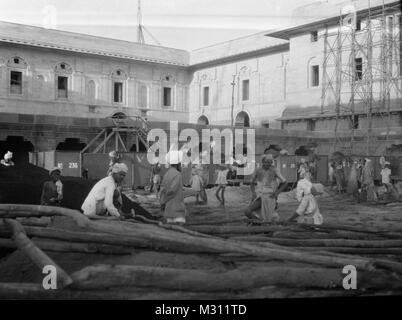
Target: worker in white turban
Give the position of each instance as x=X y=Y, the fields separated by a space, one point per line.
x=114 y=158
x=105 y=197
x=171 y=195
x=174 y=157
x=7 y=159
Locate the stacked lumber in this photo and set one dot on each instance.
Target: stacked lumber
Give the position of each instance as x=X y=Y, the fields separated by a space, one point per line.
x=255 y=261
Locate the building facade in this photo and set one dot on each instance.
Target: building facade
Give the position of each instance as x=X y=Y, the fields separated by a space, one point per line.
x=330 y=77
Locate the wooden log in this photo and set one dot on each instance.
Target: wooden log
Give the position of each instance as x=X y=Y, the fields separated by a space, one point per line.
x=171 y=227
x=328 y=242
x=348 y=250
x=327 y=235
x=35 y=291
x=85 y=237
x=220 y=230
x=214 y=222
x=178 y=240
x=35 y=222
x=52 y=245
x=107 y=276
x=26 y=210
x=153 y=237
x=38 y=257
x=390 y=232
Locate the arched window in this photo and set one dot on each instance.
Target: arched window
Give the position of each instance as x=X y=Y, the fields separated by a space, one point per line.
x=242 y=119
x=91 y=90
x=119 y=115
x=203 y=120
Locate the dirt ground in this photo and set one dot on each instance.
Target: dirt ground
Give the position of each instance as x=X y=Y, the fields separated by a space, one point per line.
x=335 y=208
x=339 y=209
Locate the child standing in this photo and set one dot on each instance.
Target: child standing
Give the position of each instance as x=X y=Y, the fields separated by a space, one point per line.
x=197 y=184
x=221 y=181
x=386 y=176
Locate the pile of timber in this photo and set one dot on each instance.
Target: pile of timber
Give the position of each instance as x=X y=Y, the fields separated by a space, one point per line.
x=261 y=261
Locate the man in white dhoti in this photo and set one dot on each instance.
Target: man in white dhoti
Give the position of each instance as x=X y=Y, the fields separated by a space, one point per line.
x=308 y=211
x=264 y=197
x=171 y=194
x=100 y=199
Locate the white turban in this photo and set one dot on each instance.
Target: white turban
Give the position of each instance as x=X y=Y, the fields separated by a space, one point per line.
x=119 y=167
x=54 y=169
x=113 y=154
x=174 y=157
x=8 y=155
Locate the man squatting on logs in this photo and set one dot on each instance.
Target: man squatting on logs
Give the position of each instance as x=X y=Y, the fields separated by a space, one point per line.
x=100 y=200
x=264 y=198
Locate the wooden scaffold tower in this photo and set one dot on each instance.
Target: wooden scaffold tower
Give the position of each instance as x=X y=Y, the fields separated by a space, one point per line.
x=361 y=72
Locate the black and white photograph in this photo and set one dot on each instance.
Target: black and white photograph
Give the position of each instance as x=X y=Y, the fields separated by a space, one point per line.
x=216 y=150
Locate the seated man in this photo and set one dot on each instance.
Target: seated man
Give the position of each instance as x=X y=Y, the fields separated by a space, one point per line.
x=52 y=192
x=265 y=197
x=101 y=199
x=7 y=159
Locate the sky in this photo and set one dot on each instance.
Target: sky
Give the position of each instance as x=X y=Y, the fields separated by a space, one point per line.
x=182 y=24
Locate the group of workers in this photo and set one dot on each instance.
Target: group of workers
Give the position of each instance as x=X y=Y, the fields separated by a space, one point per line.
x=103 y=199
x=267 y=183
x=360 y=180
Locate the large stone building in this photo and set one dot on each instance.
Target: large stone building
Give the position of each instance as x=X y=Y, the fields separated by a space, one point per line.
x=56 y=85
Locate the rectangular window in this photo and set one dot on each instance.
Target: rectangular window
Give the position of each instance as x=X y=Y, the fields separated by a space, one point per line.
x=310 y=125
x=205 y=96
x=62 y=87
x=314 y=36
x=315 y=76
x=245 y=90
x=118 y=92
x=358 y=69
x=16 y=82
x=167 y=97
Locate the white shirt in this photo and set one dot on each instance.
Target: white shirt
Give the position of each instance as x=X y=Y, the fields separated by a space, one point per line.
x=385 y=174
x=100 y=198
x=303 y=188
x=221 y=179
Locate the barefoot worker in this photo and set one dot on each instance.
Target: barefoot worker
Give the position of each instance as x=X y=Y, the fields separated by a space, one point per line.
x=265 y=196
x=171 y=194
x=308 y=211
x=100 y=199
x=221 y=181
x=52 y=191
